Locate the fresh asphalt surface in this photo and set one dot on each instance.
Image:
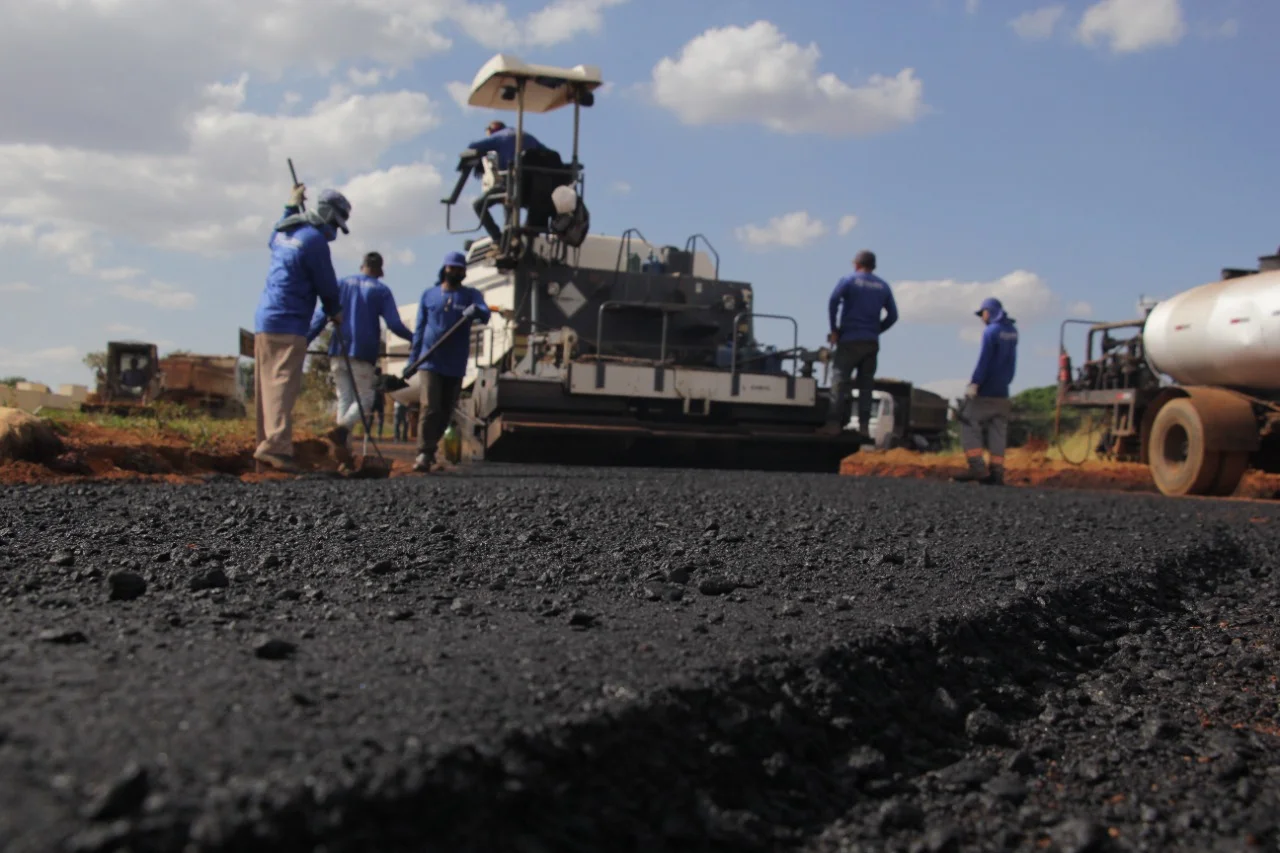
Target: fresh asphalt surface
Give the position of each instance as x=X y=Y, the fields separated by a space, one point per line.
x=582 y=659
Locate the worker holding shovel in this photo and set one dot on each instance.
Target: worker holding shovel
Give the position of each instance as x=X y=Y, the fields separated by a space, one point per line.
x=441 y=347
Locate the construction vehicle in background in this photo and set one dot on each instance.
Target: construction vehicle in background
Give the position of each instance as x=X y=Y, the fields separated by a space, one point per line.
x=1219 y=344
x=615 y=349
x=904 y=416
x=134 y=379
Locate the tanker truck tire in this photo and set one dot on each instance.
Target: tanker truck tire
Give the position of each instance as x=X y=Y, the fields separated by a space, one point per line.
x=1180 y=464
x=1230 y=471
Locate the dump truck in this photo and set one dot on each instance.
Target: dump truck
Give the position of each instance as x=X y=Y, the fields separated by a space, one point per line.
x=616 y=349
x=135 y=378
x=904 y=416
x=1192 y=389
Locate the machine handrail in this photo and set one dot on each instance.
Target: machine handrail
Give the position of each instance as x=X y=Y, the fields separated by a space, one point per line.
x=667 y=309
x=691 y=246
x=733 y=352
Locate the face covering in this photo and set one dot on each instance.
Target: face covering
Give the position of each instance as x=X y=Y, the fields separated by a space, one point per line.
x=455 y=277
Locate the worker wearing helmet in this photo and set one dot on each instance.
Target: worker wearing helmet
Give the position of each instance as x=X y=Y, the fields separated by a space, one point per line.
x=441 y=307
x=301 y=271
x=986 y=406
x=855 y=310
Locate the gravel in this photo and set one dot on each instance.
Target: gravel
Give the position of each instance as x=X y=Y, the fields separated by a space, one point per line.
x=539 y=659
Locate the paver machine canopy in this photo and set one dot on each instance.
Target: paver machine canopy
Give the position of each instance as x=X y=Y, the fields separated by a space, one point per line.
x=537 y=182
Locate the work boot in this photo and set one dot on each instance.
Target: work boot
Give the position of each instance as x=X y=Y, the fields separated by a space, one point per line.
x=422 y=464
x=996 y=476
x=337 y=438
x=977 y=472
x=275 y=460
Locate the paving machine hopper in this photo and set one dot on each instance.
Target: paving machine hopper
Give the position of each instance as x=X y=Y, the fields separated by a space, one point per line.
x=616 y=350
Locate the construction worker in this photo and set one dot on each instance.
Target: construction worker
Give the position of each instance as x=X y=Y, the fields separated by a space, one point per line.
x=379 y=399
x=441 y=307
x=301 y=270
x=400 y=423
x=986 y=406
x=501 y=140
x=859 y=300
x=364 y=300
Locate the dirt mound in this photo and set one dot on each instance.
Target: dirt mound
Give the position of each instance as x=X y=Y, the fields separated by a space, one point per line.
x=24 y=437
x=1031 y=465
x=94 y=452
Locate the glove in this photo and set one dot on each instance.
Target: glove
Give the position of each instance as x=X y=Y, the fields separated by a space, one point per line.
x=469 y=311
x=298 y=196
x=971 y=390
x=408 y=371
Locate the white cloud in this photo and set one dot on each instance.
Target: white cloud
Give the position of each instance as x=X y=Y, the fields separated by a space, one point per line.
x=125 y=329
x=1025 y=295
x=754 y=74
x=1130 y=26
x=951 y=389
x=847 y=223
x=18 y=287
x=565 y=19
x=791 y=230
x=119 y=273
x=1080 y=309
x=157 y=293
x=971 y=6
x=405 y=257
x=1038 y=24
x=370 y=78
x=459 y=91
x=16 y=361
x=620 y=187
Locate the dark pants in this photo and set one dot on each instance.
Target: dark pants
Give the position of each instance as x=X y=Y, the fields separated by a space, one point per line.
x=851 y=356
x=496 y=194
x=439 y=396
x=402 y=422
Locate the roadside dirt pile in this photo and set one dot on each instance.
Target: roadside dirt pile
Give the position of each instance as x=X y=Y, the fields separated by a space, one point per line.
x=1032 y=466
x=534 y=660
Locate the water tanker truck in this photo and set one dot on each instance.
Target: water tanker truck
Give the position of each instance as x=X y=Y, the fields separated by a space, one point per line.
x=1192 y=390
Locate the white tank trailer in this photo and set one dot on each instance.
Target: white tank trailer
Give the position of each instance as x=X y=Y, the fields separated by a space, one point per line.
x=1193 y=389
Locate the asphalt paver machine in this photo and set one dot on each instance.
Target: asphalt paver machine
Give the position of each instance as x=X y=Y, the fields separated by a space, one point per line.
x=613 y=349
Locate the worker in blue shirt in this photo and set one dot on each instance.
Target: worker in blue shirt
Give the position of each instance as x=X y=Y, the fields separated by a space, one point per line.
x=365 y=302
x=986 y=407
x=501 y=140
x=301 y=272
x=441 y=306
x=854 y=311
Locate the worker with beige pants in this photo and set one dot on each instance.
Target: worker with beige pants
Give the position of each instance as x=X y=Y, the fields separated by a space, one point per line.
x=984 y=419
x=301 y=271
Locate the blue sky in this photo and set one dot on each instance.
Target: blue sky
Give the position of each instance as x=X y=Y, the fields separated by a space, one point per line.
x=1070 y=161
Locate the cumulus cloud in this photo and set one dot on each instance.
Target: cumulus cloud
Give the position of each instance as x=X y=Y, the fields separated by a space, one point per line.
x=1038 y=24
x=1130 y=26
x=158 y=294
x=1025 y=295
x=18 y=287
x=791 y=230
x=847 y=223
x=620 y=188
x=16 y=360
x=1080 y=309
x=756 y=75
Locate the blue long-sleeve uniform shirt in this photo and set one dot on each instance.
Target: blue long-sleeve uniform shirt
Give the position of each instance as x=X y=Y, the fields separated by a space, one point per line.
x=504 y=144
x=997 y=359
x=438 y=310
x=364 y=301
x=856 y=304
x=301 y=271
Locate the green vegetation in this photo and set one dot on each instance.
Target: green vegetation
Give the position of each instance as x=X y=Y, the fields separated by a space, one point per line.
x=167 y=421
x=12 y=381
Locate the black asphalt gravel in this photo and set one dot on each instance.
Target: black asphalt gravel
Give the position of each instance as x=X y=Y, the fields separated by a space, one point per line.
x=547 y=659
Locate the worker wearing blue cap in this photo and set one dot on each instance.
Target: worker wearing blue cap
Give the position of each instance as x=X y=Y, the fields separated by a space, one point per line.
x=301 y=272
x=986 y=406
x=442 y=306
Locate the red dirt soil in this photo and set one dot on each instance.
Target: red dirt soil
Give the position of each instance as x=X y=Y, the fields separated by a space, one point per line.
x=114 y=455
x=1031 y=466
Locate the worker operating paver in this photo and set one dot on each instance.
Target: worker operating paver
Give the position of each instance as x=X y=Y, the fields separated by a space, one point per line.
x=985 y=416
x=301 y=271
x=500 y=140
x=364 y=300
x=442 y=307
x=861 y=309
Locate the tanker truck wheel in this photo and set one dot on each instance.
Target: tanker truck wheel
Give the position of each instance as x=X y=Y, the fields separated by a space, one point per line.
x=1180 y=465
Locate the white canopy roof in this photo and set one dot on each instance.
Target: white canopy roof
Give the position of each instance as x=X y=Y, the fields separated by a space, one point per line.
x=547 y=88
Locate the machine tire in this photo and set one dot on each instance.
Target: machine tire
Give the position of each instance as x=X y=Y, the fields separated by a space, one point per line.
x=1180 y=464
x=1231 y=469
